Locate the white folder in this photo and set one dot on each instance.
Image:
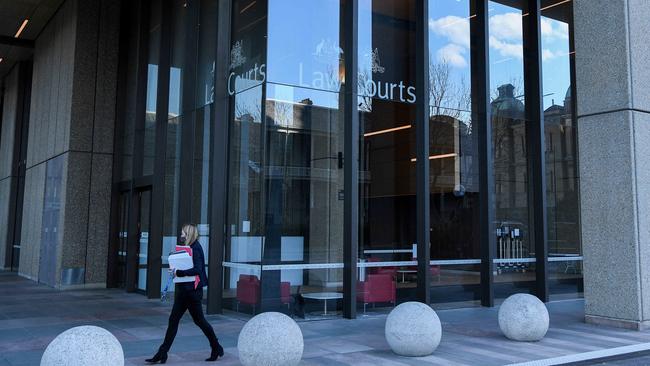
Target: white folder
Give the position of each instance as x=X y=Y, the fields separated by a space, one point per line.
x=181 y=260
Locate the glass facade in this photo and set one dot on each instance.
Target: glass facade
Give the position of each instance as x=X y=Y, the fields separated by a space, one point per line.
x=275 y=92
x=453 y=155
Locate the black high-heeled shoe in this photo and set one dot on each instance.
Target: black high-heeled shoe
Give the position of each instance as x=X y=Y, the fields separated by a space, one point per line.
x=159 y=357
x=216 y=353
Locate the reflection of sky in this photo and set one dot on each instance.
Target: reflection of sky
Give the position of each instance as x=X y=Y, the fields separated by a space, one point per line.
x=152 y=87
x=174 y=89
x=450 y=38
x=304 y=48
x=303 y=43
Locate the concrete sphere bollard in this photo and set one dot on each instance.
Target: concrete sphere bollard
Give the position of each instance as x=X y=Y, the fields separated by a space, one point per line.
x=84 y=346
x=523 y=317
x=413 y=329
x=270 y=339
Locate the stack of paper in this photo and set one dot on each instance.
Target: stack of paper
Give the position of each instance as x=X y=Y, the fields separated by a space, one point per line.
x=181 y=260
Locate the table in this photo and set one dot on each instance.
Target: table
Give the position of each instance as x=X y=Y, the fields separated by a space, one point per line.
x=405 y=271
x=323 y=296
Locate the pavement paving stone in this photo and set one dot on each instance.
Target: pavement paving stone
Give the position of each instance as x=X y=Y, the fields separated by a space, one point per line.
x=31 y=315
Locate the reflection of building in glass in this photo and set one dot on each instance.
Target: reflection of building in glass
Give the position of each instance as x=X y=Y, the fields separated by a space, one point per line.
x=561 y=178
x=510 y=169
x=454 y=186
x=510 y=173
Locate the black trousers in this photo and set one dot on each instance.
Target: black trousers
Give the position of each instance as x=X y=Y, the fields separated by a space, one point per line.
x=188 y=299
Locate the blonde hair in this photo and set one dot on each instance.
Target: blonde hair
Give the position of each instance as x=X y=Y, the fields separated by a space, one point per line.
x=191 y=233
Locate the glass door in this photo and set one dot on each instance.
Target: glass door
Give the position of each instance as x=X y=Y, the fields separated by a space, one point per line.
x=144 y=220
x=123 y=235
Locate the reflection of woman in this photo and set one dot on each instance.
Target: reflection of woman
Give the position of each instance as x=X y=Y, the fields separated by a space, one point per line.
x=188 y=296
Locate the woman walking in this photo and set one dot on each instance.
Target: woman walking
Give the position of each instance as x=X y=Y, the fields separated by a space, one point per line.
x=188 y=296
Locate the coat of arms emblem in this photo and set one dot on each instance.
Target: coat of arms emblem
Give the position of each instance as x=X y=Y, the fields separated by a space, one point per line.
x=237 y=57
x=375 y=62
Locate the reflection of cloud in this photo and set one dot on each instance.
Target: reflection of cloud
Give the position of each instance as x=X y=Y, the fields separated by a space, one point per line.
x=455 y=29
x=505 y=37
x=548 y=54
x=506 y=27
x=453 y=55
x=507 y=49
x=553 y=29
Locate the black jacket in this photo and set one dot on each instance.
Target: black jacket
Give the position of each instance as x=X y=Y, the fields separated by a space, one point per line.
x=198 y=258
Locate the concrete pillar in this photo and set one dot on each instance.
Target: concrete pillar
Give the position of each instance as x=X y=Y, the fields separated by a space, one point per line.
x=613 y=100
x=7 y=171
x=66 y=218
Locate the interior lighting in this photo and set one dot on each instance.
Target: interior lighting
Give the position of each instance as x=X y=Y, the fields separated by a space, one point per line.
x=386 y=131
x=22 y=28
x=436 y=157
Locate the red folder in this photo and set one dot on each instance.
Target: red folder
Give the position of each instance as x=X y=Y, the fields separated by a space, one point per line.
x=189 y=251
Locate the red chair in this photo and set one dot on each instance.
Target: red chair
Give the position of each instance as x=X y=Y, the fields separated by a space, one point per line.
x=391 y=271
x=376 y=288
x=285 y=293
x=248 y=291
x=435 y=271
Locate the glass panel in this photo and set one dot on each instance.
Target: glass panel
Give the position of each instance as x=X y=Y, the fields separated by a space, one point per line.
x=387 y=233
x=122 y=239
x=388 y=204
x=560 y=128
x=453 y=157
x=180 y=18
x=387 y=50
x=129 y=90
x=515 y=257
x=172 y=200
x=304 y=209
x=207 y=48
x=248 y=49
x=311 y=57
x=152 y=88
x=243 y=251
x=145 y=214
x=201 y=175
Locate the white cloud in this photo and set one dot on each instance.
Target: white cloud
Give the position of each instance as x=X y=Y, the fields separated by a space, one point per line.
x=553 y=29
x=507 y=49
x=505 y=37
x=452 y=54
x=506 y=27
x=548 y=54
x=455 y=29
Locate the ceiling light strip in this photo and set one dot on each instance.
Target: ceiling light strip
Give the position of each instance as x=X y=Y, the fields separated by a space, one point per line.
x=436 y=157
x=386 y=131
x=554 y=5
x=22 y=28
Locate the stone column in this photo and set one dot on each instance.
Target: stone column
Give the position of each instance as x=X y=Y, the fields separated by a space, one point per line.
x=613 y=100
x=66 y=210
x=8 y=114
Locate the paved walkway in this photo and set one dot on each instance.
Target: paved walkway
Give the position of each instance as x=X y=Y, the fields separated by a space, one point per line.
x=32 y=315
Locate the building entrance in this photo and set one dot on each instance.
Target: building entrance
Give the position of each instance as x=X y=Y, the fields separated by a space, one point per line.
x=133 y=239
